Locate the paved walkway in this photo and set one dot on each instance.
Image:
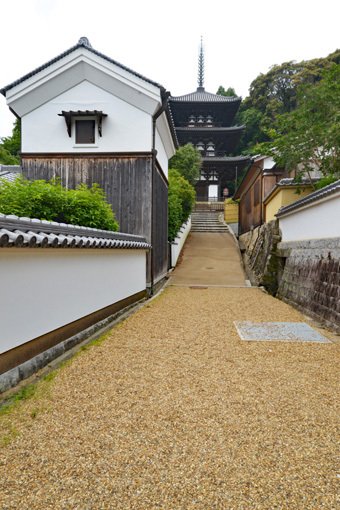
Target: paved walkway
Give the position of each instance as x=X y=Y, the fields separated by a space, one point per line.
x=210 y=259
x=174 y=411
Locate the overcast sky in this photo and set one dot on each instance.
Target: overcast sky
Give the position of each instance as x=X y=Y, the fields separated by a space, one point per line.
x=160 y=39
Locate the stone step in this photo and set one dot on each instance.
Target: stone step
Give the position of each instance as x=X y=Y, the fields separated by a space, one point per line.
x=207 y=222
x=214 y=229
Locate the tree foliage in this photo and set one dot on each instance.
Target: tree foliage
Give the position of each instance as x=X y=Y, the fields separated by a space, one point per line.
x=187 y=161
x=275 y=93
x=309 y=135
x=50 y=201
x=230 y=92
x=10 y=146
x=6 y=158
x=181 y=201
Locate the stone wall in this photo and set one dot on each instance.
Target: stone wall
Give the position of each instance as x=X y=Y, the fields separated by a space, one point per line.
x=311 y=278
x=259 y=250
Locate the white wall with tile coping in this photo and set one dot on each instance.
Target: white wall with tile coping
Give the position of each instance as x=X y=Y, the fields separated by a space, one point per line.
x=43 y=289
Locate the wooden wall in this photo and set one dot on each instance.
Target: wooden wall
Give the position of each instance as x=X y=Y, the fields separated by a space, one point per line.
x=250 y=207
x=127 y=182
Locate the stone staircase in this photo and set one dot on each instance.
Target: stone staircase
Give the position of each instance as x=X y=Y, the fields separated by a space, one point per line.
x=207 y=222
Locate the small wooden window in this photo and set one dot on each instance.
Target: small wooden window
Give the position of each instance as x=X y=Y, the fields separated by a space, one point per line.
x=85 y=131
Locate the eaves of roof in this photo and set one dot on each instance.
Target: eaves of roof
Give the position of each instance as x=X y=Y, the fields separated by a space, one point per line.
x=212 y=129
x=82 y=43
x=288 y=183
x=27 y=232
x=237 y=194
x=200 y=95
x=317 y=196
x=227 y=159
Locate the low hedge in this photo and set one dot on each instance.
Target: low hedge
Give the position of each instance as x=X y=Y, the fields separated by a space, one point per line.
x=84 y=206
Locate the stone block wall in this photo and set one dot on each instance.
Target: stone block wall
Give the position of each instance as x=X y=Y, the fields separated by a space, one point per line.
x=262 y=264
x=311 y=278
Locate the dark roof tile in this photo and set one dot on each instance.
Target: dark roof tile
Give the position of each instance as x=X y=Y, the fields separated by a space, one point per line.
x=320 y=194
x=15 y=231
x=82 y=43
x=200 y=95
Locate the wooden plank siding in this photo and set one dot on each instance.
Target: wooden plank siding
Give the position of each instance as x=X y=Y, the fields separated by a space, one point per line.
x=127 y=182
x=250 y=207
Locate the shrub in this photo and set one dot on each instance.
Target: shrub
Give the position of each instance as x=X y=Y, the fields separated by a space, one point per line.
x=175 y=215
x=50 y=201
x=181 y=201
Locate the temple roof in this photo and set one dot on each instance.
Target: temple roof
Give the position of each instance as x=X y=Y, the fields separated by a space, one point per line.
x=227 y=159
x=207 y=130
x=200 y=95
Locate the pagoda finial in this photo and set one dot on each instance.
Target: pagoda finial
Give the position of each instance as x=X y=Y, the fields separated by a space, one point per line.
x=201 y=66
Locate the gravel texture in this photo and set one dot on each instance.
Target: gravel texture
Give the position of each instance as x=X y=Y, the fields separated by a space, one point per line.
x=174 y=411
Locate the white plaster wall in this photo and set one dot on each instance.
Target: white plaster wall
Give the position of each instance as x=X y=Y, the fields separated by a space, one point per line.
x=161 y=154
x=178 y=243
x=44 y=289
x=125 y=129
x=318 y=221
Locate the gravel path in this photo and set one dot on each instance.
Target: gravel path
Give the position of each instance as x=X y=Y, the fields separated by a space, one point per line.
x=174 y=411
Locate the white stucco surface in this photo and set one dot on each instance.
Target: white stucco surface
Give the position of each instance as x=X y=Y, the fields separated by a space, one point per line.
x=319 y=220
x=82 y=80
x=44 y=289
x=177 y=245
x=125 y=129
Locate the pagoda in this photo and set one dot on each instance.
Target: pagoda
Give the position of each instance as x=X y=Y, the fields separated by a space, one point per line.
x=205 y=120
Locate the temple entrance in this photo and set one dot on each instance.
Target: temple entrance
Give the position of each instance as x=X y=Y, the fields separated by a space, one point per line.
x=213 y=193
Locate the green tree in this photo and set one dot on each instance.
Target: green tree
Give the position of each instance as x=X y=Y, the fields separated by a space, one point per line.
x=275 y=93
x=50 y=201
x=6 y=158
x=187 y=161
x=230 y=92
x=10 y=146
x=309 y=136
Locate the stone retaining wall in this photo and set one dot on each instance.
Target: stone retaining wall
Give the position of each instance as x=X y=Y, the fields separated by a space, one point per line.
x=259 y=255
x=311 y=278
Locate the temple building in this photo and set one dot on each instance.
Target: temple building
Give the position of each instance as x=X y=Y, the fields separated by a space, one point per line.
x=205 y=120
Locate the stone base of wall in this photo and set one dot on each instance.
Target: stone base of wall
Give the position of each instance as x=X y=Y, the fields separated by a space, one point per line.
x=304 y=274
x=311 y=278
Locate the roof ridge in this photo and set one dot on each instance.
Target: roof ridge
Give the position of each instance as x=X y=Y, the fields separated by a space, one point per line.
x=199 y=95
x=82 y=43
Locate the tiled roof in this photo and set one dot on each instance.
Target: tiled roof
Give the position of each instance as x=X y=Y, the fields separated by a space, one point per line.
x=82 y=43
x=27 y=232
x=200 y=95
x=227 y=159
x=211 y=129
x=8 y=176
x=320 y=194
x=287 y=182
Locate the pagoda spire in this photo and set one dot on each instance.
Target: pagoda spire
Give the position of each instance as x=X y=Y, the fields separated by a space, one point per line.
x=201 y=67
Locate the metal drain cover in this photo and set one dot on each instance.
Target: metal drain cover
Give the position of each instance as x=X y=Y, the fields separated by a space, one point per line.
x=279 y=332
